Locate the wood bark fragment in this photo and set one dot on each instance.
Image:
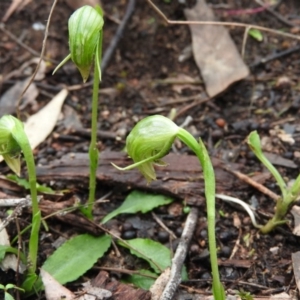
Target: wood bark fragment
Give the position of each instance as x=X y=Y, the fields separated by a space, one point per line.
x=119 y=290
x=181 y=179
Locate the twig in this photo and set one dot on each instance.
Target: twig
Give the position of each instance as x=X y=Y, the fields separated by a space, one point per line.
x=159 y=221
x=192 y=105
x=255 y=184
x=275 y=56
x=276 y=14
x=218 y=23
x=41 y=57
x=180 y=255
x=114 y=42
x=30 y=50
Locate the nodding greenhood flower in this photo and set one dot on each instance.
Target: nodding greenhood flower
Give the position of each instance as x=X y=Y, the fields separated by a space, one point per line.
x=149 y=141
x=9 y=148
x=85 y=26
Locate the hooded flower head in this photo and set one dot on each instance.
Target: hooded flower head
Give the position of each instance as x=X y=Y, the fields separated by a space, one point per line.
x=149 y=141
x=9 y=148
x=85 y=25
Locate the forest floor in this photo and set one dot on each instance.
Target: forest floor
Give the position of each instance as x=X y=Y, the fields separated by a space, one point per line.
x=145 y=77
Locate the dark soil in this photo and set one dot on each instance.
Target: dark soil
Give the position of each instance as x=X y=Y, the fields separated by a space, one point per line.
x=136 y=84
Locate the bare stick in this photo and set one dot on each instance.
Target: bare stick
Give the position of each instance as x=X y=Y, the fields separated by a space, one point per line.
x=161 y=223
x=180 y=255
x=29 y=49
x=218 y=23
x=255 y=184
x=41 y=57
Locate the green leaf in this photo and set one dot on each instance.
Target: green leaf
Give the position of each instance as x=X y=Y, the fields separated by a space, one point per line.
x=76 y=256
x=138 y=202
x=7 y=296
x=253 y=141
x=25 y=184
x=156 y=254
x=141 y=281
x=8 y=249
x=256 y=34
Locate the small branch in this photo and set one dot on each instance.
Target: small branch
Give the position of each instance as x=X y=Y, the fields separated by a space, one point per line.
x=255 y=184
x=41 y=57
x=218 y=23
x=276 y=14
x=180 y=255
x=160 y=222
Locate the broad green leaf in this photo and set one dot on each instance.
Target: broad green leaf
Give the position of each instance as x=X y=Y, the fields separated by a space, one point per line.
x=256 y=34
x=156 y=254
x=141 y=281
x=138 y=201
x=7 y=296
x=76 y=256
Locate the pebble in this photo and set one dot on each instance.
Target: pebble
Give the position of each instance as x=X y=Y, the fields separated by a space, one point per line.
x=225 y=251
x=195 y=249
x=205 y=275
x=217 y=133
x=221 y=122
x=163 y=236
x=130 y=234
x=126 y=226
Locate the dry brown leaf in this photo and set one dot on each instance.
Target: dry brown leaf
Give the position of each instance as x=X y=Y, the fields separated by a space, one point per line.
x=296 y=214
x=159 y=285
x=53 y=289
x=78 y=3
x=9 y=99
x=296 y=267
x=41 y=124
x=214 y=51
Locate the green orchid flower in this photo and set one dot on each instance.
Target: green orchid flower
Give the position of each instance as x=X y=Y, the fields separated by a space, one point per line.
x=13 y=141
x=155 y=138
x=9 y=147
x=85 y=38
x=148 y=142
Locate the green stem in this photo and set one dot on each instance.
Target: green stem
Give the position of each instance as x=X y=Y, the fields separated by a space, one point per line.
x=209 y=179
x=93 y=150
x=36 y=213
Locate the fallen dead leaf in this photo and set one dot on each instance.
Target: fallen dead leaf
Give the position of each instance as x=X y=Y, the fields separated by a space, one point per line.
x=10 y=261
x=78 y=3
x=214 y=51
x=53 y=289
x=9 y=99
x=159 y=285
x=296 y=214
x=296 y=267
x=41 y=124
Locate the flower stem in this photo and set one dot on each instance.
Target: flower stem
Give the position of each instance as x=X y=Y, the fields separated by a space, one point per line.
x=209 y=179
x=23 y=142
x=93 y=150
